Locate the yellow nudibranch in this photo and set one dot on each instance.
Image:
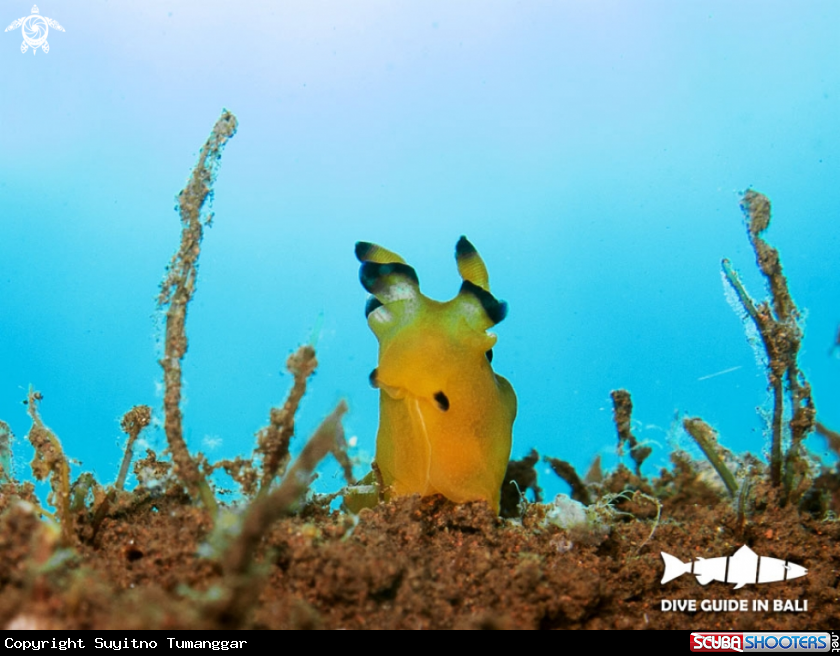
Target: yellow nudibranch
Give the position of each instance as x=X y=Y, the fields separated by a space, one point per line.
x=445 y=418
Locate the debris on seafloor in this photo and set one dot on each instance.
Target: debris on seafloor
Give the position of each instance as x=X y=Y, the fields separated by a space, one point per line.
x=167 y=554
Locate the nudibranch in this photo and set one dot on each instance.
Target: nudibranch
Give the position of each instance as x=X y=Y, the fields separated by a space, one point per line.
x=445 y=418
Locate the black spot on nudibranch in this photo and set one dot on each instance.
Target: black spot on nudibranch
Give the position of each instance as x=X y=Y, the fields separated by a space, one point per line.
x=442 y=401
x=489 y=355
x=372 y=379
x=495 y=310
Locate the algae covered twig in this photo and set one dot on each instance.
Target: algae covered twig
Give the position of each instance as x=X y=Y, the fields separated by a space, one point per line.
x=175 y=294
x=781 y=335
x=273 y=440
x=706 y=439
x=262 y=512
x=133 y=421
x=831 y=436
x=266 y=509
x=567 y=472
x=622 y=411
x=50 y=461
x=6 y=437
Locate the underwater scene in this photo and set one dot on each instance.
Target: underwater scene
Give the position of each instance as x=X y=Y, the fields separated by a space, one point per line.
x=419 y=314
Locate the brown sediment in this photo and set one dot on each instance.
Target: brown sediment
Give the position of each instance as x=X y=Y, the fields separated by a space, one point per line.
x=177 y=290
x=777 y=323
x=415 y=563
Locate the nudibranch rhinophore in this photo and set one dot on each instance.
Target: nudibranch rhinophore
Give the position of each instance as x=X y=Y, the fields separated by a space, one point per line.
x=445 y=418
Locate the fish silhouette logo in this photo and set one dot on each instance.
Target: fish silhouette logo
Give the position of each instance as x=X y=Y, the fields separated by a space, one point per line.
x=35 y=29
x=742 y=567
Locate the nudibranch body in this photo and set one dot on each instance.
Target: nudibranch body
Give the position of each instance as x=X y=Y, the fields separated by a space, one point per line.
x=445 y=418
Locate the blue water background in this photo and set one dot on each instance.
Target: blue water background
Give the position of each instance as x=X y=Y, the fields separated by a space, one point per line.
x=594 y=152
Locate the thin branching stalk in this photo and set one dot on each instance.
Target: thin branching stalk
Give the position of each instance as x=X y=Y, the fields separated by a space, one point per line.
x=175 y=294
x=133 y=421
x=777 y=323
x=6 y=438
x=622 y=412
x=50 y=461
x=273 y=440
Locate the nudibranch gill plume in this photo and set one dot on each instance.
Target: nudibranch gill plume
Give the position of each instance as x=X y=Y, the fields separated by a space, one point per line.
x=445 y=418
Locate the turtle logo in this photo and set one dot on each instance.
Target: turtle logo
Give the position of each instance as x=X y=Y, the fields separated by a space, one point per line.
x=35 y=29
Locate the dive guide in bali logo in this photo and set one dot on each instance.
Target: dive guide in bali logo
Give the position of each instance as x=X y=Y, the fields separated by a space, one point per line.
x=35 y=29
x=744 y=567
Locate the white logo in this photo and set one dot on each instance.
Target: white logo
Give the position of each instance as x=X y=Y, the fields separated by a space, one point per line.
x=744 y=566
x=35 y=29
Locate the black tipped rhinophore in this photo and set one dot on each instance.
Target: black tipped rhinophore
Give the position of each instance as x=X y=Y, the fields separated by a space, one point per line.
x=442 y=401
x=496 y=310
x=362 y=249
x=371 y=272
x=371 y=305
x=372 y=379
x=463 y=247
